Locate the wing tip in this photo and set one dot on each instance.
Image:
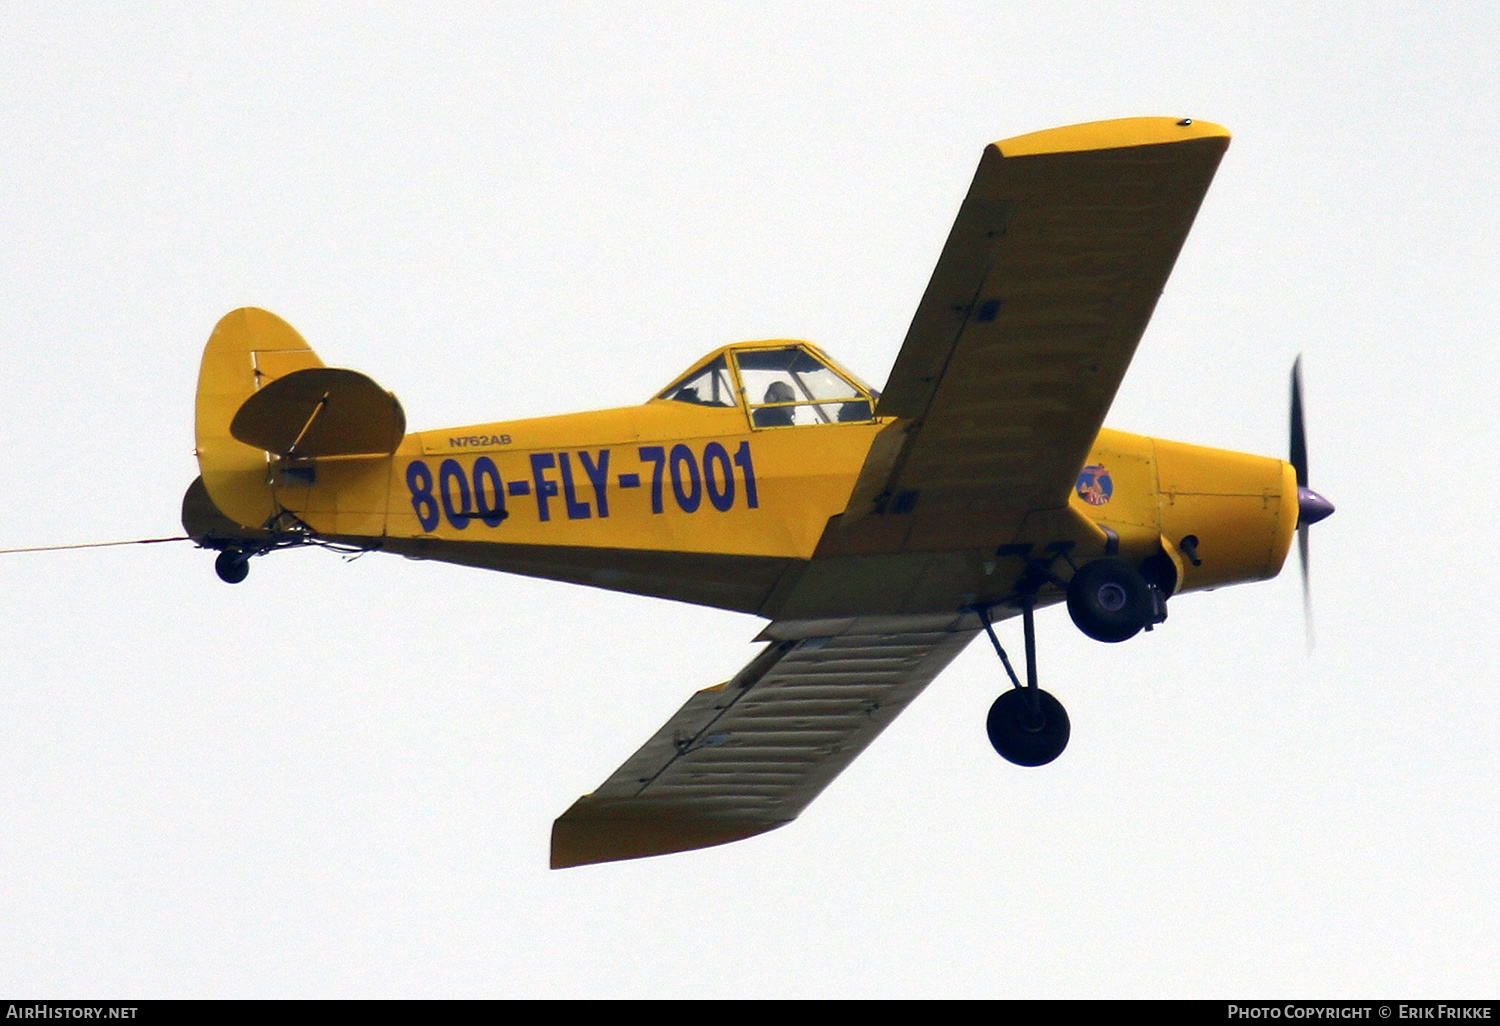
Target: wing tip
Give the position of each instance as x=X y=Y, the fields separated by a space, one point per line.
x=1119 y=133
x=595 y=831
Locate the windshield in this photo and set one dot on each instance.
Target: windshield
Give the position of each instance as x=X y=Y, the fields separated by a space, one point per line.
x=709 y=386
x=790 y=386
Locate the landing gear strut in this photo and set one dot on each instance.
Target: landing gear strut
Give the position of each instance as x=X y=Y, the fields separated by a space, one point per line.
x=1026 y=725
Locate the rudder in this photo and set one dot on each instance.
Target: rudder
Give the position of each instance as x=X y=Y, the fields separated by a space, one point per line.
x=249 y=348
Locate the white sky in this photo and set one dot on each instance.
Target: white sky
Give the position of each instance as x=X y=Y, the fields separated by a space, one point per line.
x=338 y=779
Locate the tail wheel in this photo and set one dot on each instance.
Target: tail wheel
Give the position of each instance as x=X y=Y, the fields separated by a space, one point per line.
x=1028 y=726
x=1110 y=600
x=232 y=566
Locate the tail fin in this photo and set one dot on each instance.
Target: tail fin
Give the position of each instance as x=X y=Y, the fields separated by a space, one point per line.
x=270 y=414
x=248 y=350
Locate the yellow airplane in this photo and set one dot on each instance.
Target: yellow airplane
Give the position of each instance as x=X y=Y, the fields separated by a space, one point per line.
x=878 y=532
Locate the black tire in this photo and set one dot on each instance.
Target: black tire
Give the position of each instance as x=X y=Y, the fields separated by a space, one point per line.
x=1109 y=600
x=1025 y=735
x=232 y=566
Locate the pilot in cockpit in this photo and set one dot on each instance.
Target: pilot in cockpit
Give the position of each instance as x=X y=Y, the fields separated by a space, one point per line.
x=776 y=416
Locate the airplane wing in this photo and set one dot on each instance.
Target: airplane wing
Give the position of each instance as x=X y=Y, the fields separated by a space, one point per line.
x=1048 y=278
x=749 y=755
x=1033 y=313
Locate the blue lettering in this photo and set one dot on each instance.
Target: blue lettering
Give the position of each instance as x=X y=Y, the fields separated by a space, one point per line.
x=484 y=467
x=448 y=473
x=419 y=480
x=722 y=499
x=545 y=488
x=689 y=501
x=576 y=510
x=448 y=493
x=598 y=477
x=742 y=459
x=657 y=455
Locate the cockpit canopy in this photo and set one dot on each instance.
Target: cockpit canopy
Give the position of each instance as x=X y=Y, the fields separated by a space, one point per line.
x=781 y=384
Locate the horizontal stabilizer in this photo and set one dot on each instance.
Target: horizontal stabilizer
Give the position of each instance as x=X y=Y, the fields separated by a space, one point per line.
x=319 y=412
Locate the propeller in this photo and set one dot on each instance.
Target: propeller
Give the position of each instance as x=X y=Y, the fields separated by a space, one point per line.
x=1311 y=507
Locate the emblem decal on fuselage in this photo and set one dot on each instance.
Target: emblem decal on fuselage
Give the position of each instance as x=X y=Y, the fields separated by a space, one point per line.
x=1094 y=485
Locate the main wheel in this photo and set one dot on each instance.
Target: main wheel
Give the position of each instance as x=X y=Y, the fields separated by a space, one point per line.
x=232 y=566
x=1027 y=734
x=1109 y=600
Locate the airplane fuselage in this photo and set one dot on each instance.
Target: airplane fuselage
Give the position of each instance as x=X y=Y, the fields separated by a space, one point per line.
x=695 y=503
